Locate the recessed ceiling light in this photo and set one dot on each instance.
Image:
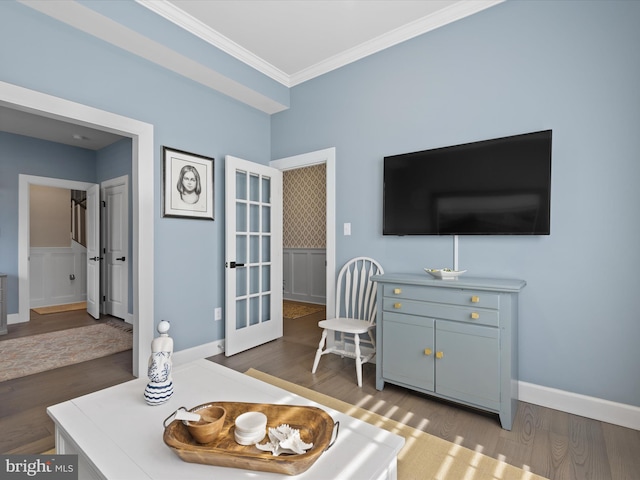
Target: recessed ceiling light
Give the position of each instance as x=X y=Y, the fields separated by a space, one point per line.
x=77 y=136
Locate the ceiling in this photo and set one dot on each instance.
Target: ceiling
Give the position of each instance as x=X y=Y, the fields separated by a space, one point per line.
x=291 y=41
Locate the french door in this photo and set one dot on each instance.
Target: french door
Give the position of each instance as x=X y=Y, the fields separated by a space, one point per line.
x=253 y=253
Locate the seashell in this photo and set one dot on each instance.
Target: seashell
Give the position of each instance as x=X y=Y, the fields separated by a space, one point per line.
x=284 y=439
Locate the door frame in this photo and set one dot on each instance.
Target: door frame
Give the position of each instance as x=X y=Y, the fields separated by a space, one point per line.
x=142 y=160
x=24 y=230
x=328 y=157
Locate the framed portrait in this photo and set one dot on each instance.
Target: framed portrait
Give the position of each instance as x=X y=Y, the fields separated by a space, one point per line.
x=187 y=185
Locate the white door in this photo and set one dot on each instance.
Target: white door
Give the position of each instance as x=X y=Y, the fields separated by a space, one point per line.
x=253 y=234
x=93 y=251
x=116 y=247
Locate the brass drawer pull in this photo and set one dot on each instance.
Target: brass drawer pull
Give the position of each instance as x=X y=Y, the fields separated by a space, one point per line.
x=475 y=315
x=439 y=355
x=475 y=299
x=397 y=305
x=428 y=351
x=397 y=291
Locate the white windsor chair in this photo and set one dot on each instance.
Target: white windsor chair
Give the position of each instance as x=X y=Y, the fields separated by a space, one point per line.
x=355 y=314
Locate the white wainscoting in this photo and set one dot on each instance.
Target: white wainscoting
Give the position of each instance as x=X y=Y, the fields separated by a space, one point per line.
x=57 y=275
x=304 y=275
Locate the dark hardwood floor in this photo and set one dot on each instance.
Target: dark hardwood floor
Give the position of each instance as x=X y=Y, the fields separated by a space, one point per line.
x=24 y=424
x=547 y=442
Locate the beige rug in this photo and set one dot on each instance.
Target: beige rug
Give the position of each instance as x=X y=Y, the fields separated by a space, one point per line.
x=424 y=456
x=37 y=353
x=69 y=307
x=293 y=310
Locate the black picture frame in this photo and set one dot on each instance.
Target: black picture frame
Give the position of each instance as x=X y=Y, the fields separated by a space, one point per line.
x=187 y=185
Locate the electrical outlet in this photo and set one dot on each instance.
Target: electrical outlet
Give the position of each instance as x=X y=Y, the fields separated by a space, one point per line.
x=218 y=313
x=347 y=229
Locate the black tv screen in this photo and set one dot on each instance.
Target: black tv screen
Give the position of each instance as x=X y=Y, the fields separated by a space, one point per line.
x=500 y=186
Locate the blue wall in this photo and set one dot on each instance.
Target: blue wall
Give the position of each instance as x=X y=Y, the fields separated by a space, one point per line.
x=514 y=68
x=42 y=54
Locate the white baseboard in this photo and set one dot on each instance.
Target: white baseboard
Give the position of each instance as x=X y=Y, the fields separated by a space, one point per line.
x=14 y=318
x=583 y=405
x=196 y=353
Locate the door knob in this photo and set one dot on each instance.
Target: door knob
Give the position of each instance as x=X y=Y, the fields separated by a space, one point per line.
x=121 y=259
x=428 y=351
x=95 y=259
x=439 y=354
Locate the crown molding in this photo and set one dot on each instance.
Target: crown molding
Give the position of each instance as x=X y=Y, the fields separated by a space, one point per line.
x=459 y=10
x=406 y=32
x=87 y=20
x=194 y=26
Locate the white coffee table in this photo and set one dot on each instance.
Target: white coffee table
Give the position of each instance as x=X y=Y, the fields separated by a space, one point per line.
x=117 y=436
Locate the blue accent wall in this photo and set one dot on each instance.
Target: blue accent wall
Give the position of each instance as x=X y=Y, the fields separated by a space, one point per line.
x=517 y=67
x=42 y=54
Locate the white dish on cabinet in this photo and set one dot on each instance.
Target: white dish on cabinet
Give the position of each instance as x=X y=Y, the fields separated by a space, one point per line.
x=444 y=273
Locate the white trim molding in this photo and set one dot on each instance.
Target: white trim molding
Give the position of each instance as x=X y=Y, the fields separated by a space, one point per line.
x=196 y=353
x=583 y=405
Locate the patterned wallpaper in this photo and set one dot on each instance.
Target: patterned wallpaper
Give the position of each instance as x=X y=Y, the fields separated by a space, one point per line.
x=304 y=199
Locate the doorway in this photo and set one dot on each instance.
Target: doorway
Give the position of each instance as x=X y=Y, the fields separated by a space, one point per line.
x=327 y=157
x=141 y=133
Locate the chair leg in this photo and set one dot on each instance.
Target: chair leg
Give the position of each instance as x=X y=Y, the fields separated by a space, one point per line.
x=323 y=339
x=356 y=342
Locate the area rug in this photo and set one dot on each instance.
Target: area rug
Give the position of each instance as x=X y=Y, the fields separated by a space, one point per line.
x=46 y=351
x=69 y=307
x=293 y=310
x=423 y=456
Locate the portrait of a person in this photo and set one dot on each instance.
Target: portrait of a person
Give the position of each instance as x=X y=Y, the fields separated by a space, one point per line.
x=187 y=185
x=189 y=189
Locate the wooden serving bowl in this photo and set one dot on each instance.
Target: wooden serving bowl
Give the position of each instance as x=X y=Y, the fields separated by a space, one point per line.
x=316 y=426
x=207 y=429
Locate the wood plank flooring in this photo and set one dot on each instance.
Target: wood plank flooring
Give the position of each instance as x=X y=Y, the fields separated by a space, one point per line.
x=24 y=424
x=548 y=442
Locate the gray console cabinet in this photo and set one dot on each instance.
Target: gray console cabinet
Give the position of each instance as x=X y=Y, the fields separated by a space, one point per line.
x=454 y=339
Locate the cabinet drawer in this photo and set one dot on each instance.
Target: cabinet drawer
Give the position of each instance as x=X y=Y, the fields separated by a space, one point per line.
x=461 y=297
x=480 y=316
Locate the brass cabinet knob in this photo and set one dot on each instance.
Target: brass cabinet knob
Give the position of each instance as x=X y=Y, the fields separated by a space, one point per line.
x=475 y=315
x=439 y=354
x=475 y=299
x=397 y=291
x=397 y=305
x=428 y=351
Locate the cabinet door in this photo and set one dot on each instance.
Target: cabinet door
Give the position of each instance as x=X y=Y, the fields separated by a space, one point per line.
x=404 y=341
x=469 y=369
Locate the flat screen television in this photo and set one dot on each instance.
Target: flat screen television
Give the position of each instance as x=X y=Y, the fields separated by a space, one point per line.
x=500 y=186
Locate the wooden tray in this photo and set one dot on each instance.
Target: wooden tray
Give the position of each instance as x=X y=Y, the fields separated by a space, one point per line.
x=316 y=426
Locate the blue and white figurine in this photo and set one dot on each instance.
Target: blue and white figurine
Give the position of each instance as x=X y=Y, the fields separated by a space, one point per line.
x=160 y=386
